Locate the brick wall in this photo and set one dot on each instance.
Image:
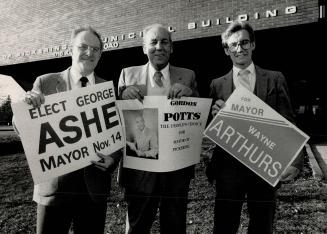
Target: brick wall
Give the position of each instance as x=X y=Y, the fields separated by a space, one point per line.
x=34 y=30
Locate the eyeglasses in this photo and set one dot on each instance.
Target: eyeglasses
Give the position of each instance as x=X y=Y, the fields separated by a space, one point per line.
x=84 y=47
x=244 y=44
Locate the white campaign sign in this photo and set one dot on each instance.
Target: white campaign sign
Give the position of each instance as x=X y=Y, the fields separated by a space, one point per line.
x=163 y=134
x=64 y=133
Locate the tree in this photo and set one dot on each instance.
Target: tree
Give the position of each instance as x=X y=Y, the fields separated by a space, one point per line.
x=5 y=111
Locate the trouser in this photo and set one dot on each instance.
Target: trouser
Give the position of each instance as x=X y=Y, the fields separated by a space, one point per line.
x=171 y=199
x=232 y=189
x=86 y=216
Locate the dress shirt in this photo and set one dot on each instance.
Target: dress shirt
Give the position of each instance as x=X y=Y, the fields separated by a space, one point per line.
x=252 y=76
x=75 y=79
x=165 y=77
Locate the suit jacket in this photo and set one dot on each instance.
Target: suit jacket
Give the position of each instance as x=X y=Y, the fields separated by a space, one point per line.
x=144 y=181
x=138 y=75
x=58 y=191
x=270 y=87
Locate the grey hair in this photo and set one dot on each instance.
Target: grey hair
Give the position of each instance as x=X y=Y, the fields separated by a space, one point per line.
x=156 y=25
x=76 y=31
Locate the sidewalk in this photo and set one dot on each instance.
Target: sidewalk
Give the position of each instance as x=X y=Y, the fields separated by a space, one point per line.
x=6 y=128
x=319 y=153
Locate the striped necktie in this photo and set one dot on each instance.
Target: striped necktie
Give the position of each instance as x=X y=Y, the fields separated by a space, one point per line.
x=244 y=79
x=158 y=78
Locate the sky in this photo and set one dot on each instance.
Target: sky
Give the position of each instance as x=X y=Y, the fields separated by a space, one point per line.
x=8 y=86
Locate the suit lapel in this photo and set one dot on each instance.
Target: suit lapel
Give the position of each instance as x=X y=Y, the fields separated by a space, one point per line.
x=174 y=75
x=228 y=85
x=63 y=83
x=261 y=83
x=143 y=77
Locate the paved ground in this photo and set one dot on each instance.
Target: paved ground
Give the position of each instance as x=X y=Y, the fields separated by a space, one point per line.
x=319 y=151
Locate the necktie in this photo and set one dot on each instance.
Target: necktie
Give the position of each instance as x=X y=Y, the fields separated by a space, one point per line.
x=157 y=78
x=83 y=80
x=244 y=79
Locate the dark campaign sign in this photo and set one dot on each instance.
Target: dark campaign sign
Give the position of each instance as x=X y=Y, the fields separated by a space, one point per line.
x=256 y=135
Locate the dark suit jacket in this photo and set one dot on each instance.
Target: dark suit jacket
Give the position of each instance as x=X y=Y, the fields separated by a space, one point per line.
x=55 y=191
x=270 y=87
x=144 y=181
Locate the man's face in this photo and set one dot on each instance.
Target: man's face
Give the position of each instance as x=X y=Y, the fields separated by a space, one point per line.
x=157 y=47
x=86 y=52
x=139 y=123
x=240 y=48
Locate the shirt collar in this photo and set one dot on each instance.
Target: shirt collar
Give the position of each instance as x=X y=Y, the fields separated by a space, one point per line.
x=75 y=76
x=250 y=68
x=164 y=72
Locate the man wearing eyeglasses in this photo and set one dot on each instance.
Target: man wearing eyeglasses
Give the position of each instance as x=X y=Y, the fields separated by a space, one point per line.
x=79 y=197
x=235 y=183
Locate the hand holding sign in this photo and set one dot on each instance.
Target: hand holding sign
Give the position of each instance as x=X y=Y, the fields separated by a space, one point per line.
x=106 y=162
x=179 y=90
x=133 y=92
x=290 y=173
x=34 y=98
x=219 y=104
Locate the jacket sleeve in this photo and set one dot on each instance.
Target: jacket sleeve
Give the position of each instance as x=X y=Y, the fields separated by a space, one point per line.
x=121 y=84
x=195 y=92
x=285 y=109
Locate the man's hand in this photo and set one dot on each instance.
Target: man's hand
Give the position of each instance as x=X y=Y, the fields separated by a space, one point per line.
x=105 y=162
x=131 y=145
x=179 y=90
x=290 y=173
x=140 y=153
x=34 y=98
x=132 y=92
x=217 y=106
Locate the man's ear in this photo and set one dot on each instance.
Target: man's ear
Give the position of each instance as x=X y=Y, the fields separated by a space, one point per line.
x=253 y=45
x=144 y=49
x=226 y=51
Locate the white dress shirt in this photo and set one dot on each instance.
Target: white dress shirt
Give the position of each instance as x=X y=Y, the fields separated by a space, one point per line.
x=75 y=79
x=252 y=76
x=165 y=77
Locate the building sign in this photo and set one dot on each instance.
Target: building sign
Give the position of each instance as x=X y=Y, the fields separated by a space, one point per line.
x=111 y=42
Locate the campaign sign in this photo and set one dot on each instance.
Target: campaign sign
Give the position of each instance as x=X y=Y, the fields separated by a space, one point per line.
x=163 y=134
x=64 y=133
x=256 y=135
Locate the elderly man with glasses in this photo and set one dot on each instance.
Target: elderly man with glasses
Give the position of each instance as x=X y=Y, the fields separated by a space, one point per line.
x=80 y=197
x=235 y=183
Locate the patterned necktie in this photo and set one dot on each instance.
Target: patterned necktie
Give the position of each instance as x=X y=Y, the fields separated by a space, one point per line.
x=244 y=79
x=83 y=80
x=158 y=78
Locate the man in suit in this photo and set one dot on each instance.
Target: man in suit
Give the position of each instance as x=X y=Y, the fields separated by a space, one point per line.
x=145 y=140
x=79 y=197
x=235 y=183
x=148 y=191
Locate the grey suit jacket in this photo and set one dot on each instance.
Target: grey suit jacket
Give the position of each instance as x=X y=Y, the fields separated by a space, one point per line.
x=143 y=181
x=270 y=87
x=137 y=75
x=55 y=191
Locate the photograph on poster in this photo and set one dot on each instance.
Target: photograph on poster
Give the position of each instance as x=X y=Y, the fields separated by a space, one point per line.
x=141 y=128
